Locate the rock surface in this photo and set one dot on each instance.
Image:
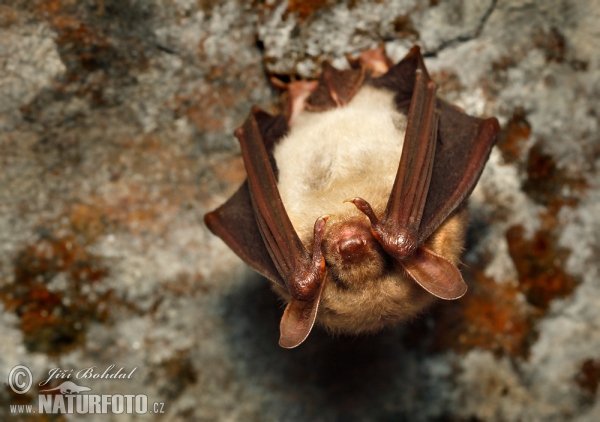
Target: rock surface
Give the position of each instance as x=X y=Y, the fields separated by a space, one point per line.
x=115 y=138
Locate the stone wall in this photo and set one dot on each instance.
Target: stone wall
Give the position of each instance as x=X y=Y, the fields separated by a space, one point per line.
x=116 y=121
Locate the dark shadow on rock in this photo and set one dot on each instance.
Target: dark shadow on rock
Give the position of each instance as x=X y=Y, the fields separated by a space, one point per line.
x=342 y=375
x=478 y=228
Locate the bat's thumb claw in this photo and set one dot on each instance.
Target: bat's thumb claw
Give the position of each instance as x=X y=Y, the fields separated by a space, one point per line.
x=364 y=207
x=319 y=228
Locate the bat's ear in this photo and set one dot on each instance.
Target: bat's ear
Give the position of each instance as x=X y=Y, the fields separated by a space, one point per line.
x=298 y=320
x=436 y=274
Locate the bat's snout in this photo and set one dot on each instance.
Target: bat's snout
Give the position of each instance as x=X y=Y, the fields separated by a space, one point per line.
x=353 y=242
x=352 y=248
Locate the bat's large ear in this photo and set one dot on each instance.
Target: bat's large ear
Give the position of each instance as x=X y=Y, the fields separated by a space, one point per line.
x=300 y=314
x=298 y=319
x=436 y=274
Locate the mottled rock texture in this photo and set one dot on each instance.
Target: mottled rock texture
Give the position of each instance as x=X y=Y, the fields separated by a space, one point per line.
x=116 y=120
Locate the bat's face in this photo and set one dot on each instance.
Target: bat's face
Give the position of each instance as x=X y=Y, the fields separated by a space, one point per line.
x=365 y=288
x=368 y=289
x=343 y=153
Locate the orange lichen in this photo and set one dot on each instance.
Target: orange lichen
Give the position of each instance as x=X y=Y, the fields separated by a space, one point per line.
x=141 y=186
x=539 y=263
x=75 y=35
x=304 y=9
x=132 y=211
x=56 y=291
x=87 y=220
x=54 y=314
x=513 y=136
x=490 y=317
x=493 y=315
x=8 y=16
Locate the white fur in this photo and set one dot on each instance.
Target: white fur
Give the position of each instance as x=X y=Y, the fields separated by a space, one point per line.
x=340 y=154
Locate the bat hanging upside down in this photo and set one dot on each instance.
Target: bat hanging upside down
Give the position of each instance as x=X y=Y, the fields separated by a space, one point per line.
x=350 y=238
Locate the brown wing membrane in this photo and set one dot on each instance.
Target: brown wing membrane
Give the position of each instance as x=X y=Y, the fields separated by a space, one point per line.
x=302 y=274
x=234 y=221
x=463 y=148
x=255 y=225
x=442 y=158
x=282 y=242
x=398 y=229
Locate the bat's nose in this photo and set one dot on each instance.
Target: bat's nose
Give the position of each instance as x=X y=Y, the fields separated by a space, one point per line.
x=353 y=248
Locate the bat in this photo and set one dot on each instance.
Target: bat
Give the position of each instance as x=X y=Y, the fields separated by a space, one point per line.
x=354 y=204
